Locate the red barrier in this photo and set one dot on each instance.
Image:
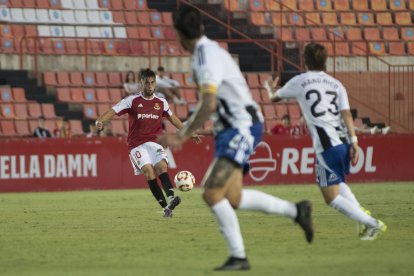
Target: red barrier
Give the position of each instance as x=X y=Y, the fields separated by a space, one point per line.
x=103 y=163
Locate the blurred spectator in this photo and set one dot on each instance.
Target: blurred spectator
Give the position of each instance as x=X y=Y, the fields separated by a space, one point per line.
x=131 y=85
x=169 y=87
x=107 y=131
x=283 y=128
x=300 y=128
x=40 y=131
x=372 y=130
x=92 y=131
x=62 y=129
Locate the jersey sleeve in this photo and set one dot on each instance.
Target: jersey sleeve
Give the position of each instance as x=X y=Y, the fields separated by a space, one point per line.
x=122 y=107
x=167 y=111
x=343 y=102
x=289 y=90
x=209 y=69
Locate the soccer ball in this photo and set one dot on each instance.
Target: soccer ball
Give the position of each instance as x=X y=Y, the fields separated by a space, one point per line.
x=184 y=180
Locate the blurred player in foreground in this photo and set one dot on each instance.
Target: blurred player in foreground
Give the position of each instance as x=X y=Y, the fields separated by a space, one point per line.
x=146 y=112
x=239 y=127
x=324 y=104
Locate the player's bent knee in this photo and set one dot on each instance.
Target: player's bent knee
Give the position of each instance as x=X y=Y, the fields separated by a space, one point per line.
x=212 y=197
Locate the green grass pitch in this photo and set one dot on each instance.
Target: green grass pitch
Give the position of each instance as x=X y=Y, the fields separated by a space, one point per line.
x=124 y=233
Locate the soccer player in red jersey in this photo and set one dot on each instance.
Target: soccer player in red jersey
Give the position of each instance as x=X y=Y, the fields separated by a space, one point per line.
x=145 y=114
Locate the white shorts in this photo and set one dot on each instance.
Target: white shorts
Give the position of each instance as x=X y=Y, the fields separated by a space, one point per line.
x=147 y=153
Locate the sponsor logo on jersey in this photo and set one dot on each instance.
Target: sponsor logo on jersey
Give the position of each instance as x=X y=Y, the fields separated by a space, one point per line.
x=157 y=106
x=140 y=105
x=147 y=116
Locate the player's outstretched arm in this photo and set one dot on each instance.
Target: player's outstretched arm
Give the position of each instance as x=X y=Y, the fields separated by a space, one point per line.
x=103 y=118
x=271 y=85
x=179 y=125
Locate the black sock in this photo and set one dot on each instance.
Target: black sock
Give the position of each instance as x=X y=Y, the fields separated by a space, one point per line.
x=156 y=191
x=166 y=184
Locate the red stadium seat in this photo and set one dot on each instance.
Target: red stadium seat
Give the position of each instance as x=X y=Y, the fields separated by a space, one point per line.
x=102 y=79
x=118 y=127
x=6 y=94
x=336 y=34
x=102 y=95
x=359 y=48
x=372 y=34
x=234 y=6
x=20 y=110
x=348 y=18
x=119 y=17
x=403 y=18
x=272 y=5
x=63 y=94
x=156 y=18
x=118 y=5
x=131 y=18
x=342 y=5
x=89 y=111
x=48 y=111
x=323 y=5
x=115 y=94
x=89 y=79
x=63 y=79
x=49 y=78
x=76 y=78
x=167 y=18
x=115 y=79
x=189 y=81
x=396 y=48
x=353 y=34
x=190 y=95
x=390 y=34
x=269 y=111
x=279 y=19
x=7 y=128
x=144 y=18
x=360 y=5
x=281 y=110
x=397 y=5
x=318 y=34
x=19 y=94
x=384 y=18
x=77 y=95
x=377 y=48
x=257 y=5
x=258 y=18
x=341 y=48
x=379 y=5
x=295 y=19
x=305 y=5
x=181 y=111
x=366 y=18
x=34 y=109
x=407 y=33
x=410 y=48
x=76 y=127
x=256 y=95
x=101 y=108
x=294 y=111
x=89 y=95
x=290 y=4
x=7 y=111
x=252 y=80
x=270 y=123
x=302 y=34
x=313 y=18
x=329 y=18
x=22 y=128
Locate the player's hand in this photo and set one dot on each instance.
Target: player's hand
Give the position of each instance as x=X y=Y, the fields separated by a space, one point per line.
x=354 y=153
x=99 y=125
x=197 y=138
x=270 y=85
x=173 y=141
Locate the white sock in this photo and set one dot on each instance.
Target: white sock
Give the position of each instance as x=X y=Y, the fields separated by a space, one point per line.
x=352 y=211
x=229 y=226
x=346 y=192
x=258 y=201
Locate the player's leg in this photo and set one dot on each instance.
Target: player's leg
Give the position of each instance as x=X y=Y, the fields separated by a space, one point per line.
x=160 y=160
x=141 y=160
x=219 y=178
x=330 y=170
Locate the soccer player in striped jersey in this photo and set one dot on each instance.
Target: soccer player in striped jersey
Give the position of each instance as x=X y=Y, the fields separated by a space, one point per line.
x=145 y=114
x=238 y=129
x=324 y=104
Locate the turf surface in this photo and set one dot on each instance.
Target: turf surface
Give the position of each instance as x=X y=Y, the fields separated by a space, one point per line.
x=124 y=233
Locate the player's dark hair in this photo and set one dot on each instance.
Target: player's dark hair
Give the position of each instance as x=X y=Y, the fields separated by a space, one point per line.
x=147 y=74
x=315 y=56
x=160 y=69
x=188 y=21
